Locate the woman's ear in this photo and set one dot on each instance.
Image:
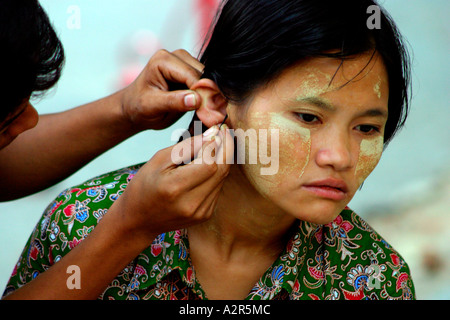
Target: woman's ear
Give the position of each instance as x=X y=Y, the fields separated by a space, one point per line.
x=213 y=107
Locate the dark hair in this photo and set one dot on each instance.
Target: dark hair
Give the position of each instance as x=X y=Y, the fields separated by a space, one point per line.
x=253 y=41
x=31 y=57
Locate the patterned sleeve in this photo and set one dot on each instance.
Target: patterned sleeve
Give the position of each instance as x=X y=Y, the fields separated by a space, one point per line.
x=66 y=222
x=397 y=283
x=384 y=272
x=359 y=264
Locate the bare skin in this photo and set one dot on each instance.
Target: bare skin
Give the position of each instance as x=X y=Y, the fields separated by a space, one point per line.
x=232 y=220
x=37 y=147
x=126 y=227
x=134 y=221
x=250 y=225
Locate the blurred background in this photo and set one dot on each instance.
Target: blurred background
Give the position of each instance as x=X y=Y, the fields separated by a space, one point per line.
x=407 y=197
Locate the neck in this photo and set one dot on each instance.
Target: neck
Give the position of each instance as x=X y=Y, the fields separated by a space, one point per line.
x=244 y=224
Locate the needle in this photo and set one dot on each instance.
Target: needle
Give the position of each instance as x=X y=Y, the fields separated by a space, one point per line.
x=226 y=116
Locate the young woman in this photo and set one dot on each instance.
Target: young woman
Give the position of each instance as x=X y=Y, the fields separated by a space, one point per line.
x=330 y=92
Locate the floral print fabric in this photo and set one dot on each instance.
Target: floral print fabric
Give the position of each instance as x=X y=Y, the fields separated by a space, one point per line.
x=345 y=259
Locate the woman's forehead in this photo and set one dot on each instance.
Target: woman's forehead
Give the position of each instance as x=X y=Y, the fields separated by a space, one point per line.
x=318 y=76
x=337 y=72
x=361 y=82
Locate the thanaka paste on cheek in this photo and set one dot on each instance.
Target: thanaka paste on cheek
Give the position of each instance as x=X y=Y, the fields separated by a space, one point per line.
x=370 y=151
x=291 y=131
x=293 y=152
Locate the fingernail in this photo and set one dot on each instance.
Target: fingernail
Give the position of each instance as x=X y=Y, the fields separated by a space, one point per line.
x=211 y=132
x=217 y=140
x=224 y=127
x=190 y=101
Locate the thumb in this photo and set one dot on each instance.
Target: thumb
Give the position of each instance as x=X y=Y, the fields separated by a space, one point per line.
x=176 y=101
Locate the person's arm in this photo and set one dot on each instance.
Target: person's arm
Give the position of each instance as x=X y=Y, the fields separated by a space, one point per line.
x=62 y=143
x=175 y=197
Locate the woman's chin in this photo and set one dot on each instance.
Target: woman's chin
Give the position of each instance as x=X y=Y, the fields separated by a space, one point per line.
x=318 y=214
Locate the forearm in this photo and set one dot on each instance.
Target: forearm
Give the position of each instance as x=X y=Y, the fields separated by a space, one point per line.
x=100 y=258
x=61 y=144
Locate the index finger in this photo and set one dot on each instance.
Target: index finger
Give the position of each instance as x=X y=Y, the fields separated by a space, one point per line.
x=194 y=174
x=219 y=169
x=225 y=154
x=180 y=68
x=190 y=60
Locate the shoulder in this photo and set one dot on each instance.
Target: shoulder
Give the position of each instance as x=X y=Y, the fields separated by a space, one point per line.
x=366 y=265
x=78 y=209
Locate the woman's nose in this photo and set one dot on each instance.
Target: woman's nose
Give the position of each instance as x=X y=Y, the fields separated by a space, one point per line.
x=335 y=151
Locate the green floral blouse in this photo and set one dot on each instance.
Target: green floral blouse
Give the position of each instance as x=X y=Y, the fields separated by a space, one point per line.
x=345 y=259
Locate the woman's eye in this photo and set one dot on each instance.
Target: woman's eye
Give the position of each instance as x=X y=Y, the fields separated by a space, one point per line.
x=367 y=129
x=306 y=117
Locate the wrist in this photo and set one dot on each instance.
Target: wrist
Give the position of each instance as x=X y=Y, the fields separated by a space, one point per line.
x=121 y=120
x=126 y=230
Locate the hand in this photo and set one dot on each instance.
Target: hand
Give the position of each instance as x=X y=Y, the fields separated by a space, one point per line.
x=161 y=197
x=149 y=103
x=164 y=196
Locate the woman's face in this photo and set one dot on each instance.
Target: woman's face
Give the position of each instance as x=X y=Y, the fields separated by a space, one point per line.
x=330 y=123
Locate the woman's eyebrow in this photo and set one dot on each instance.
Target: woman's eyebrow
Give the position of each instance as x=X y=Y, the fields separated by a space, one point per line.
x=318 y=102
x=323 y=104
x=374 y=112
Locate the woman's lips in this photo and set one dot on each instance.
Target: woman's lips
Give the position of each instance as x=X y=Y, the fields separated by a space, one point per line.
x=329 y=188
